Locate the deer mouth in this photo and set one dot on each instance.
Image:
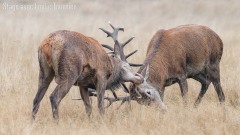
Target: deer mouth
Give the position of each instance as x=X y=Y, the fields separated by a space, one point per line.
x=138 y=79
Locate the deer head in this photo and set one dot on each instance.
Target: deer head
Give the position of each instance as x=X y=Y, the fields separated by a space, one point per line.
x=145 y=93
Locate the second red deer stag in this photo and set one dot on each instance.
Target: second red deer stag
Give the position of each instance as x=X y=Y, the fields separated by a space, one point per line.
x=74 y=59
x=189 y=51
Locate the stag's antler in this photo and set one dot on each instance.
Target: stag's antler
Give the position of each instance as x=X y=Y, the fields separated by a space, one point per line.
x=135 y=65
x=130 y=54
x=92 y=93
x=108 y=47
x=123 y=99
x=118 y=47
x=114 y=34
x=125 y=89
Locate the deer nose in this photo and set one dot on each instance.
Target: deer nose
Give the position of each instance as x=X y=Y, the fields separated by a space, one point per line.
x=141 y=77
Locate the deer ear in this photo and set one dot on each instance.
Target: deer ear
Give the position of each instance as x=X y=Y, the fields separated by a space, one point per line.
x=147 y=72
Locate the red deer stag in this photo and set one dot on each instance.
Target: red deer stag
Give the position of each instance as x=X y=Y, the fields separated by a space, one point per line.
x=188 y=51
x=74 y=59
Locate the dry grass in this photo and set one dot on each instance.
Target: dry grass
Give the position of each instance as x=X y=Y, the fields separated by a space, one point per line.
x=22 y=31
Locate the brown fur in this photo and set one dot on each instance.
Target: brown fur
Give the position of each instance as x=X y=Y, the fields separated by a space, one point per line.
x=74 y=59
x=188 y=51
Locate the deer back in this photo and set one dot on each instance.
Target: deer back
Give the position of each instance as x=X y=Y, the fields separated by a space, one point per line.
x=72 y=54
x=186 y=49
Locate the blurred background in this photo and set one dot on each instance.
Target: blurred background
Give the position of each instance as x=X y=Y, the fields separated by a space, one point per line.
x=24 y=24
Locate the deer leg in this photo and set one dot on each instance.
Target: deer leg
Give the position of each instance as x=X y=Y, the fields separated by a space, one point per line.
x=58 y=94
x=215 y=79
x=45 y=78
x=85 y=97
x=205 y=84
x=184 y=88
x=101 y=87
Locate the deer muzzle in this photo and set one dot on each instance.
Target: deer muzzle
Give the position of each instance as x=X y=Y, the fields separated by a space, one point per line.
x=139 y=79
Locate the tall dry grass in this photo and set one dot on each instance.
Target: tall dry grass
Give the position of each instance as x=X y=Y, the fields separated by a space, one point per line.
x=21 y=32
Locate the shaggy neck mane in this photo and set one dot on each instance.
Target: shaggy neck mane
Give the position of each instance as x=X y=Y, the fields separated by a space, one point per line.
x=115 y=79
x=152 y=49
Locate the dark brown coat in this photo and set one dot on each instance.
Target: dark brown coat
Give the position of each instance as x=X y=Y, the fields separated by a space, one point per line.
x=188 y=51
x=74 y=59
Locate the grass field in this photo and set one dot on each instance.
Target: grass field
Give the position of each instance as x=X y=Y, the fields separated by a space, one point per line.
x=23 y=29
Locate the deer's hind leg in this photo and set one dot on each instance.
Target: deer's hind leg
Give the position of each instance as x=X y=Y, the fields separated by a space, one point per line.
x=215 y=79
x=59 y=93
x=85 y=97
x=46 y=75
x=204 y=80
x=184 y=88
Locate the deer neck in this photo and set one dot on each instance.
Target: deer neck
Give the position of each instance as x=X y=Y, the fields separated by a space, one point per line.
x=161 y=69
x=115 y=79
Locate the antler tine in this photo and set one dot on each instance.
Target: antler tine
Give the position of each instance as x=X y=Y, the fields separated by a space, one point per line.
x=118 y=47
x=138 y=94
x=135 y=65
x=111 y=100
x=126 y=99
x=117 y=29
x=125 y=89
x=129 y=40
x=91 y=94
x=130 y=54
x=108 y=33
x=112 y=52
x=111 y=25
x=114 y=34
x=114 y=94
x=108 y=47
